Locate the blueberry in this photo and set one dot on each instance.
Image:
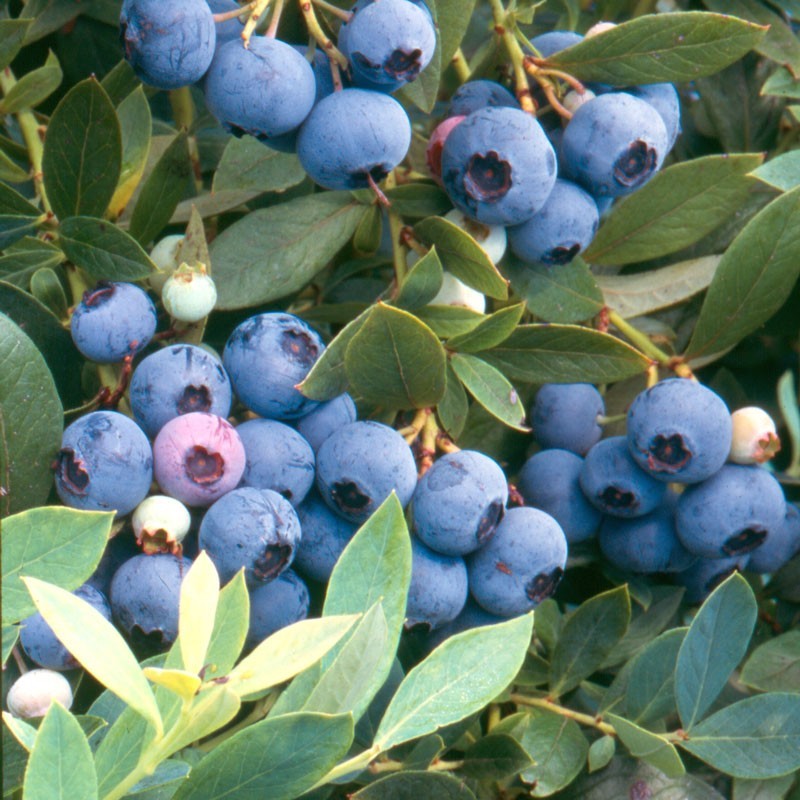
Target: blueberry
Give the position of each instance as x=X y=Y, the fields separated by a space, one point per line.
x=706 y=574
x=564 y=415
x=231 y=29
x=160 y=524
x=388 y=44
x=562 y=228
x=474 y=95
x=353 y=137
x=360 y=465
x=615 y=144
x=552 y=42
x=732 y=513
x=471 y=616
x=645 y=544
x=521 y=565
x=316 y=426
x=32 y=694
x=169 y=43
x=105 y=462
x=145 y=594
x=781 y=545
x=679 y=431
x=459 y=502
x=265 y=90
x=266 y=356
x=198 y=457
x=252 y=528
x=325 y=535
x=112 y=321
x=278 y=458
x=498 y=166
x=614 y=484
x=177 y=380
x=118 y=550
x=42 y=645
x=276 y=605
x=664 y=99
x=438 y=588
x=166 y=256
x=549 y=480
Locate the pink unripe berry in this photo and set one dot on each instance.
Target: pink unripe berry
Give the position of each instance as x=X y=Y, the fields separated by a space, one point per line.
x=433 y=153
x=755 y=438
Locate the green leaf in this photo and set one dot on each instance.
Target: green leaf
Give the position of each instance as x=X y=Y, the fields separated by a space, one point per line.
x=454 y=406
x=459 y=678
x=395 y=361
x=163 y=783
x=278 y=758
x=643 y=293
x=489 y=332
x=61 y=544
x=556 y=745
x=755 y=738
x=82 y=152
x=495 y=757
x=660 y=47
x=419 y=200
x=413 y=785
x=286 y=652
x=275 y=251
x=753 y=279
x=781 y=84
x=447 y=321
x=601 y=752
x=12 y=203
x=161 y=192
x=60 y=764
x=248 y=164
x=9 y=169
x=424 y=752
x=10 y=636
x=772 y=789
x=714 y=645
x=463 y=256
x=230 y=627
x=12 y=34
x=121 y=745
x=96 y=644
x=424 y=90
x=650 y=693
x=565 y=354
x=367 y=236
x=24 y=257
x=47 y=289
x=648 y=746
x=34 y=87
x=422 y=283
x=327 y=378
x=105 y=251
x=775 y=665
x=197 y=611
x=782 y=173
x=31 y=423
x=562 y=294
x=491 y=389
x=135 y=123
x=120 y=81
x=677 y=208
x=14 y=227
x=589 y=634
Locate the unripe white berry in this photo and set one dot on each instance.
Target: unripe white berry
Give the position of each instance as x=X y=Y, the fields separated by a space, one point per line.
x=755 y=437
x=455 y=293
x=160 y=524
x=598 y=28
x=32 y=694
x=189 y=294
x=574 y=100
x=491 y=238
x=166 y=256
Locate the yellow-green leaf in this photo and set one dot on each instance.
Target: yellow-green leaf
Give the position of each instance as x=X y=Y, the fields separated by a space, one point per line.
x=198 y=608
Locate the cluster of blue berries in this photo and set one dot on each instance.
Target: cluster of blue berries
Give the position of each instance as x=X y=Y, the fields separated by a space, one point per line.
x=548 y=183
x=286 y=95
x=684 y=491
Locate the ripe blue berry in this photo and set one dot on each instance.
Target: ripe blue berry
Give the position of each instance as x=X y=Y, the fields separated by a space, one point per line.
x=664 y=99
x=781 y=545
x=325 y=535
x=105 y=462
x=438 y=588
x=231 y=29
x=471 y=616
x=112 y=321
x=552 y=42
x=276 y=605
x=316 y=426
x=474 y=95
x=564 y=415
x=706 y=574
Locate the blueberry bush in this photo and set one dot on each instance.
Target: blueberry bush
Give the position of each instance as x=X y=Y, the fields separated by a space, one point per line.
x=399 y=399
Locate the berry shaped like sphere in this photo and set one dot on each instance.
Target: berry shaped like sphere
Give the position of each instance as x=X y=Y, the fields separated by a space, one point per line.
x=166 y=256
x=276 y=605
x=160 y=524
x=706 y=574
x=498 y=166
x=459 y=502
x=755 y=437
x=360 y=465
x=552 y=42
x=231 y=29
x=169 y=43
x=782 y=544
x=438 y=589
x=679 y=431
x=178 y=380
x=316 y=426
x=189 y=294
x=198 y=457
x=32 y=694
x=614 y=144
x=353 y=137
x=474 y=95
x=254 y=529
x=562 y=228
x=455 y=293
x=388 y=43
x=105 y=463
x=325 y=535
x=521 y=565
x=433 y=152
x=266 y=356
x=564 y=415
x=664 y=99
x=265 y=90
x=112 y=321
